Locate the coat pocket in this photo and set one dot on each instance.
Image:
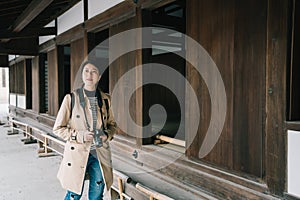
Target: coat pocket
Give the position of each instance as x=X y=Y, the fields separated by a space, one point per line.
x=72 y=168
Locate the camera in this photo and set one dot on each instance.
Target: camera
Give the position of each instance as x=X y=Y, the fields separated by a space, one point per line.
x=97 y=139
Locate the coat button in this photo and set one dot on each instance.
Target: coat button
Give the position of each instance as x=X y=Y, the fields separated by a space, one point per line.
x=72 y=148
x=69 y=164
x=77 y=116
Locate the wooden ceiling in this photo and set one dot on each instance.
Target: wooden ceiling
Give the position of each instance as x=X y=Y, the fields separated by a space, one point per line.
x=22 y=21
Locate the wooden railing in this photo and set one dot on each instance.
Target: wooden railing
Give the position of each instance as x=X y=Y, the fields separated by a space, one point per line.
x=52 y=145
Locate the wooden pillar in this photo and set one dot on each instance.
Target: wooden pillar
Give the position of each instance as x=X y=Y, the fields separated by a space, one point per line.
x=53 y=104
x=276 y=155
x=35 y=84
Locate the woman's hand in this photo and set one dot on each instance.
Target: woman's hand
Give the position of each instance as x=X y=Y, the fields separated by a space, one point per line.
x=88 y=136
x=103 y=137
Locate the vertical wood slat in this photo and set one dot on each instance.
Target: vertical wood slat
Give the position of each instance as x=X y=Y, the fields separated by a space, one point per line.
x=215 y=34
x=53 y=105
x=276 y=95
x=77 y=57
x=121 y=66
x=11 y=78
x=38 y=83
x=35 y=84
x=234 y=36
x=20 y=77
x=139 y=93
x=249 y=84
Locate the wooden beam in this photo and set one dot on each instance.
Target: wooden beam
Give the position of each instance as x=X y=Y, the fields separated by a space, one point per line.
x=29 y=33
x=293 y=126
x=153 y=4
x=20 y=47
x=31 y=12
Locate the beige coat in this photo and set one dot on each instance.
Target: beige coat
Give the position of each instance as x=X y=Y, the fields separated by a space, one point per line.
x=73 y=166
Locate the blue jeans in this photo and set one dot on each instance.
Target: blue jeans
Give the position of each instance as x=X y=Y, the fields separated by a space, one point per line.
x=97 y=184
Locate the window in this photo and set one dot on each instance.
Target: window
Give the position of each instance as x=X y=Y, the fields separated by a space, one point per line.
x=165 y=44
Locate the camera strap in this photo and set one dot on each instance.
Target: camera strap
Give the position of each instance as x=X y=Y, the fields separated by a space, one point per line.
x=82 y=104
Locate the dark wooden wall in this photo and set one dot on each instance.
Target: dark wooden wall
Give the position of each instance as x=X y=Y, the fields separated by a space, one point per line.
x=17 y=74
x=249 y=85
x=235 y=38
x=215 y=34
x=121 y=66
x=12 y=79
x=53 y=81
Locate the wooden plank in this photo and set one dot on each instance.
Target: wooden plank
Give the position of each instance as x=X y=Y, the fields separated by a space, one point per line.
x=35 y=84
x=215 y=32
x=53 y=104
x=249 y=86
x=77 y=57
x=293 y=126
x=276 y=139
x=20 y=77
x=153 y=4
x=121 y=66
x=152 y=193
x=71 y=35
x=11 y=79
x=32 y=11
x=184 y=170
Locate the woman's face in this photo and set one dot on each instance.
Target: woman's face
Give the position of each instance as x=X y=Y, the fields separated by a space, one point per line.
x=90 y=76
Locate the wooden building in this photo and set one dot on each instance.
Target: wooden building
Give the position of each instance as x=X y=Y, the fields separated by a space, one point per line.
x=255 y=45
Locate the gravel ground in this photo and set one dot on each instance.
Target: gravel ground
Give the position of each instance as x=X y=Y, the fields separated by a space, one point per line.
x=23 y=175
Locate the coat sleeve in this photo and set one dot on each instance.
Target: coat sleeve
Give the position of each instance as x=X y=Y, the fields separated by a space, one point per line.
x=61 y=126
x=112 y=127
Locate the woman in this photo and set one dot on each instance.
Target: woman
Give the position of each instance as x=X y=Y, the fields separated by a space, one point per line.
x=80 y=116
